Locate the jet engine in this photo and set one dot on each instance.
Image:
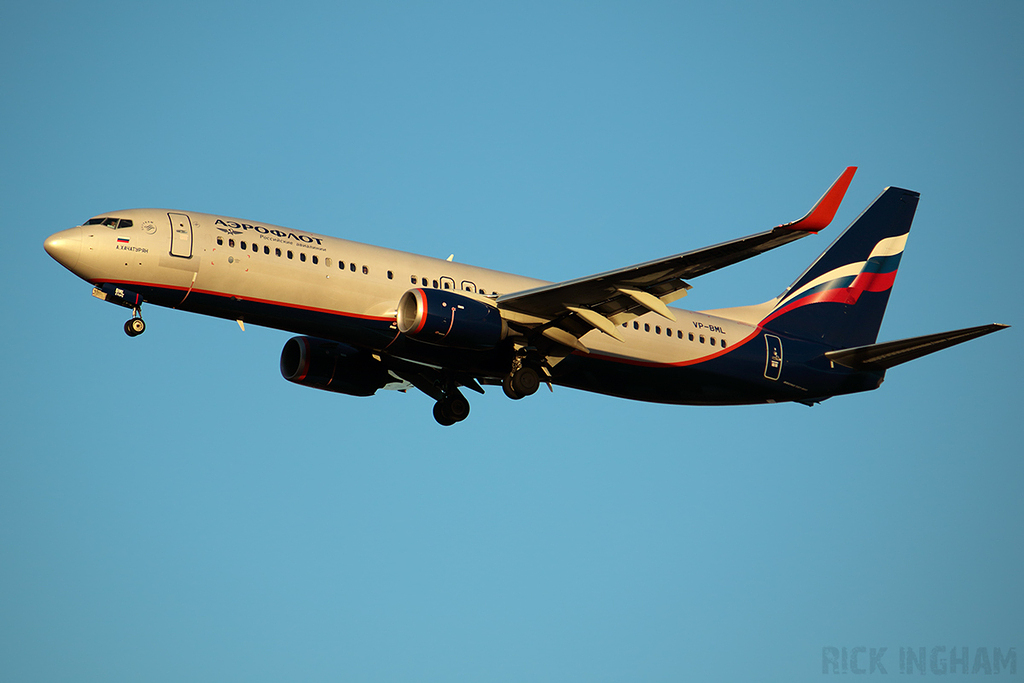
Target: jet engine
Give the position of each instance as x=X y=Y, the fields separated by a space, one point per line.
x=332 y=366
x=445 y=318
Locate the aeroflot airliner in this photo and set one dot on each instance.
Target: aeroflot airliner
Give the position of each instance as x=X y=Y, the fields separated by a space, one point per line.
x=372 y=318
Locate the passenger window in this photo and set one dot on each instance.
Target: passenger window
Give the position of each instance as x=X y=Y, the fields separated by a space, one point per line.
x=657 y=329
x=435 y=284
x=702 y=339
x=289 y=253
x=636 y=325
x=327 y=261
x=391 y=276
x=242 y=244
x=723 y=343
x=366 y=271
x=231 y=243
x=413 y=278
x=712 y=341
x=691 y=336
x=277 y=251
x=266 y=250
x=352 y=267
x=302 y=256
x=255 y=247
x=220 y=241
x=679 y=333
x=647 y=327
x=315 y=260
x=446 y=285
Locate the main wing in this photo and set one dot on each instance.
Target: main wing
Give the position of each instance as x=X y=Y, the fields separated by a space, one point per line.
x=565 y=311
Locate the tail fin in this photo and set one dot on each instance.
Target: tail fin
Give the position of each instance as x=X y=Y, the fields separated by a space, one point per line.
x=841 y=298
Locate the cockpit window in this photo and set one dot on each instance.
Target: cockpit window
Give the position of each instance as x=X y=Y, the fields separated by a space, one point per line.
x=110 y=222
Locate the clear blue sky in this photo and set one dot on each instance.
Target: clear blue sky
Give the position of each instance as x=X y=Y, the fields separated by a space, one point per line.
x=171 y=509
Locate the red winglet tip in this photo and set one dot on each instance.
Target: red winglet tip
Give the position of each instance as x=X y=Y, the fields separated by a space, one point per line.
x=825 y=210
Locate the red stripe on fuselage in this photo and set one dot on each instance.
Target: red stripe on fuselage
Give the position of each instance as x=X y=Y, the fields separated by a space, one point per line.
x=271 y=302
x=679 y=364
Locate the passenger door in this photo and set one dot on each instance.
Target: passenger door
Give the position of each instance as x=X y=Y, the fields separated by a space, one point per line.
x=181 y=235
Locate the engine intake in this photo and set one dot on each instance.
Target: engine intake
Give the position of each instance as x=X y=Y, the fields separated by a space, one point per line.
x=445 y=318
x=332 y=366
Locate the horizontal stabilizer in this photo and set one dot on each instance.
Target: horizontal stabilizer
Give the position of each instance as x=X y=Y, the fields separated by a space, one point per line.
x=888 y=354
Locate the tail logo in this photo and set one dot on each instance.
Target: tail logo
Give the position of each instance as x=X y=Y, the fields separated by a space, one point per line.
x=845 y=284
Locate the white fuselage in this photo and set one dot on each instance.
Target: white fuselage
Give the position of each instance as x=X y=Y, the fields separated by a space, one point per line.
x=305 y=271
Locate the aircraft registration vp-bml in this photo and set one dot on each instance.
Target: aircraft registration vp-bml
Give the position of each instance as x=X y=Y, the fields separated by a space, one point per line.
x=374 y=318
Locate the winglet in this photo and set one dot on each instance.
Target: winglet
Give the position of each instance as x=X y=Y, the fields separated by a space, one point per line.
x=825 y=210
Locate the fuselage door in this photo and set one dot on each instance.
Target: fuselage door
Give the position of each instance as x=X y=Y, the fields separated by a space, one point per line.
x=181 y=235
x=773 y=363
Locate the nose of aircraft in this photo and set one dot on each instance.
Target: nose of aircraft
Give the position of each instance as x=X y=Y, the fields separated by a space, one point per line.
x=65 y=246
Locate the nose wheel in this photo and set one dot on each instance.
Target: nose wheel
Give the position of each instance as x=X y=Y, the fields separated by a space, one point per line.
x=135 y=326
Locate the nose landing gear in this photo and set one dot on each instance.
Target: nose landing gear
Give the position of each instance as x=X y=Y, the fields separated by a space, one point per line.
x=136 y=325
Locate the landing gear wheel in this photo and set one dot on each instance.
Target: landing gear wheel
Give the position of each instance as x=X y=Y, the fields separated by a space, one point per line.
x=506 y=386
x=458 y=407
x=442 y=416
x=134 y=327
x=523 y=382
x=451 y=409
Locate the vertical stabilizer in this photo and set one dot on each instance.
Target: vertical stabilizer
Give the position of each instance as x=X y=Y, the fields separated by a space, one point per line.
x=841 y=298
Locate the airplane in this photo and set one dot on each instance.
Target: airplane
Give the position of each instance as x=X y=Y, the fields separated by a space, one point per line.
x=371 y=318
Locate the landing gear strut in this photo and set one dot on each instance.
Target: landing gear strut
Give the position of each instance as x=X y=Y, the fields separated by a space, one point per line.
x=136 y=325
x=451 y=409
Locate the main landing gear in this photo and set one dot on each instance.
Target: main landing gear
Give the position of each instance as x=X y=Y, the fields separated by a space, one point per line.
x=523 y=381
x=136 y=325
x=452 y=408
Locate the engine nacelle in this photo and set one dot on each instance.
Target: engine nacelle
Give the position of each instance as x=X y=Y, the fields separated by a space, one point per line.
x=445 y=318
x=332 y=366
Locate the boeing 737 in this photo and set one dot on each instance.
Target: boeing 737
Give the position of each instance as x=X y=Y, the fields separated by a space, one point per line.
x=371 y=318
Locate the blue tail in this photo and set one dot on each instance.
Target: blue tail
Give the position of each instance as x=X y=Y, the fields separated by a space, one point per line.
x=841 y=298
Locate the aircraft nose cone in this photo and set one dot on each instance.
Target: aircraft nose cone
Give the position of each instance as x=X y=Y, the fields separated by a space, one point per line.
x=65 y=247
